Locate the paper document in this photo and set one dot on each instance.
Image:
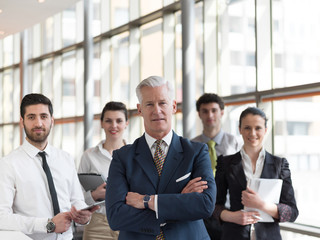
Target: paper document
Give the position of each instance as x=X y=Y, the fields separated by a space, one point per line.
x=269 y=190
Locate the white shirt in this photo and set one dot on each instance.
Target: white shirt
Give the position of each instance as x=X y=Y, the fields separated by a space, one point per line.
x=165 y=148
x=95 y=160
x=247 y=167
x=25 y=200
x=247 y=164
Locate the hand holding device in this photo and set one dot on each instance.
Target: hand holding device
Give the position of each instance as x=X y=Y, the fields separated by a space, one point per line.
x=93 y=205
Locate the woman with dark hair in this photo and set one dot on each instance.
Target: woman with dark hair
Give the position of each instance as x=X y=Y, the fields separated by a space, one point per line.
x=114 y=120
x=233 y=174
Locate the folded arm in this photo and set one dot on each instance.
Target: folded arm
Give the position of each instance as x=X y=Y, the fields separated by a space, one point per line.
x=136 y=200
x=124 y=205
x=197 y=192
x=122 y=216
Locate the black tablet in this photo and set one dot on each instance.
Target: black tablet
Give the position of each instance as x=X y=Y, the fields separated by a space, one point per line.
x=90 y=181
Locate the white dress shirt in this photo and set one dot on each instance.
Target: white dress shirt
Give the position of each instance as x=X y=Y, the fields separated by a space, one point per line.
x=247 y=168
x=95 y=160
x=165 y=148
x=25 y=200
x=247 y=164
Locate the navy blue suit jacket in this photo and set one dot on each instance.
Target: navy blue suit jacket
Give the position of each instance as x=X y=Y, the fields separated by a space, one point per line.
x=230 y=176
x=132 y=169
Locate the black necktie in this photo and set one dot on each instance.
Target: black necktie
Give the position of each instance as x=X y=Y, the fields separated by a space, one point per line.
x=53 y=192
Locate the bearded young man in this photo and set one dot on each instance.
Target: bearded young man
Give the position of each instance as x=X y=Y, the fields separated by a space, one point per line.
x=40 y=190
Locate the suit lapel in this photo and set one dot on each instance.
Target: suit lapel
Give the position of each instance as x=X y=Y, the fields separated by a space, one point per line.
x=237 y=170
x=145 y=160
x=173 y=159
x=269 y=169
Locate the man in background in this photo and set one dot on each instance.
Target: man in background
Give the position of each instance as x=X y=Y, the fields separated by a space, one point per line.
x=210 y=109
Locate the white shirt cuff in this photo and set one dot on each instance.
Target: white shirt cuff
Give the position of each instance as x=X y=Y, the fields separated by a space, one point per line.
x=87 y=223
x=40 y=225
x=156 y=205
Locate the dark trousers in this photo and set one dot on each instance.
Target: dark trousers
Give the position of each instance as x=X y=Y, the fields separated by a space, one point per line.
x=213 y=227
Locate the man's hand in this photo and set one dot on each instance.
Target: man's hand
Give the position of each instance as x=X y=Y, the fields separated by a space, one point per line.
x=135 y=200
x=82 y=216
x=100 y=192
x=62 y=222
x=195 y=185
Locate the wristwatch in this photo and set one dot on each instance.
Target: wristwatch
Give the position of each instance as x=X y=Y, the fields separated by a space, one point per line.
x=50 y=226
x=146 y=199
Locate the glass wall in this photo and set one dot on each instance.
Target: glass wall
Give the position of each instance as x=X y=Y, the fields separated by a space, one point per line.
x=296 y=38
x=236 y=39
x=297 y=134
x=252 y=52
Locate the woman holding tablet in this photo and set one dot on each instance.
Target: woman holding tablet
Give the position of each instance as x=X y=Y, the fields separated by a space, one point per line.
x=234 y=172
x=114 y=120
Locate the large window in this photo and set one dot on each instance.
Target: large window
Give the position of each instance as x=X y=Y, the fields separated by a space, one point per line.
x=151 y=49
x=120 y=68
x=296 y=39
x=236 y=43
x=297 y=134
x=119 y=12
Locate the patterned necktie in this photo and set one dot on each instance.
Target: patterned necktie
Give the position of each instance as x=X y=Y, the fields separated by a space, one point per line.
x=158 y=159
x=213 y=155
x=52 y=189
x=159 y=156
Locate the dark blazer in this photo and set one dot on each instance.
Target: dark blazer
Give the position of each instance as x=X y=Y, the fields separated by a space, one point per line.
x=230 y=176
x=132 y=169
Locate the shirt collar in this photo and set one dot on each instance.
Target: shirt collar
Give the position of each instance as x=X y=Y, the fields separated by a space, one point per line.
x=262 y=153
x=150 y=140
x=103 y=151
x=217 y=139
x=247 y=164
x=32 y=151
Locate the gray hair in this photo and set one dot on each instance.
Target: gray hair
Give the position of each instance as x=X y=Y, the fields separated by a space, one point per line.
x=154 y=81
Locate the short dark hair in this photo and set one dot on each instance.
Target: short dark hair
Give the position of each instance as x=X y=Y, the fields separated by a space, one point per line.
x=209 y=98
x=33 y=99
x=114 y=106
x=253 y=111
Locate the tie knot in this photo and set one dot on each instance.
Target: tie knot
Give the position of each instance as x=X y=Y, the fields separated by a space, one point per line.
x=211 y=143
x=158 y=142
x=42 y=154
